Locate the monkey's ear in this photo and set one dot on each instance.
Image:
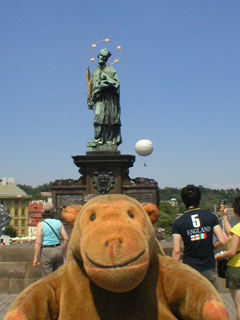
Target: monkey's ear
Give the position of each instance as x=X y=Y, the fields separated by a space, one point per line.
x=152 y=211
x=70 y=213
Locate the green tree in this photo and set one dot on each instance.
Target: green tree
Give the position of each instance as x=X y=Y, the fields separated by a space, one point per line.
x=182 y=207
x=167 y=208
x=35 y=192
x=10 y=231
x=165 y=221
x=209 y=197
x=167 y=215
x=169 y=193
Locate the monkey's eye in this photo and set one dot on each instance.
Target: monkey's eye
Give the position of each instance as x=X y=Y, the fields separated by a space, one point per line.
x=93 y=216
x=130 y=214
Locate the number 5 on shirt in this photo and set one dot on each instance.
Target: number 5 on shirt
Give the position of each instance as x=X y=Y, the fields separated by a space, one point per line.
x=195 y=220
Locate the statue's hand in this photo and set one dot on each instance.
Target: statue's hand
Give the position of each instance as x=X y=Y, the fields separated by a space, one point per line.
x=90 y=104
x=107 y=81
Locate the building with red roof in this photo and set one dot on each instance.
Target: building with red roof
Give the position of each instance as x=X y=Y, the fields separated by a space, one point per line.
x=34 y=208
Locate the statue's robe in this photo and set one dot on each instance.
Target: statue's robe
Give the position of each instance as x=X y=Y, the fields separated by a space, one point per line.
x=105 y=95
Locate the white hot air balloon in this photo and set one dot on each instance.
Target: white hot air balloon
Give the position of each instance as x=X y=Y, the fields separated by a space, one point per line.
x=144 y=148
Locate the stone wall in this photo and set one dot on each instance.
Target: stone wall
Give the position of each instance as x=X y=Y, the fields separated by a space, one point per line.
x=16 y=270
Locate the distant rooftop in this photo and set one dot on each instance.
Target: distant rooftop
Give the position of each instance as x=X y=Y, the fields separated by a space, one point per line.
x=35 y=219
x=34 y=207
x=9 y=190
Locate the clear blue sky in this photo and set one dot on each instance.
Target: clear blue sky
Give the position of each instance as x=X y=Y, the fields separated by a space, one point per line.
x=179 y=72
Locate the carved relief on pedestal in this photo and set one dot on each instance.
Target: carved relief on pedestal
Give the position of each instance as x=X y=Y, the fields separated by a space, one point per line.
x=103 y=180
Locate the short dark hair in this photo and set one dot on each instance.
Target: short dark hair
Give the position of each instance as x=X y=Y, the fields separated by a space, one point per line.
x=191 y=195
x=236 y=205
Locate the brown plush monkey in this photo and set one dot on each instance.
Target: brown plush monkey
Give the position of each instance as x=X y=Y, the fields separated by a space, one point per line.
x=114 y=272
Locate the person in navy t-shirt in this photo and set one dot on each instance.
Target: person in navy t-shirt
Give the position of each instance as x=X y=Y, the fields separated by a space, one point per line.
x=196 y=228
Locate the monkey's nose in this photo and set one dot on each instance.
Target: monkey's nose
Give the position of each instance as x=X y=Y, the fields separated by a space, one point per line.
x=115 y=241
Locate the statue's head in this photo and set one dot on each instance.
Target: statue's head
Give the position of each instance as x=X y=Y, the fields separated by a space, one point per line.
x=103 y=56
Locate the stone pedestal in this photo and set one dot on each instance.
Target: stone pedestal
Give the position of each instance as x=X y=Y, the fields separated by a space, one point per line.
x=103 y=172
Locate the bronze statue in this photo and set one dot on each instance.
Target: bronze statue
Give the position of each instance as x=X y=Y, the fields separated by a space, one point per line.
x=104 y=97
